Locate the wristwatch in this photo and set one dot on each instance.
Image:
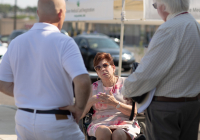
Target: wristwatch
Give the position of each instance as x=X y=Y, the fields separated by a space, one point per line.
x=118 y=105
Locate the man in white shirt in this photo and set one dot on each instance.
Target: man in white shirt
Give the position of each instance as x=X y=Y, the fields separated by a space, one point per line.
x=38 y=70
x=171 y=65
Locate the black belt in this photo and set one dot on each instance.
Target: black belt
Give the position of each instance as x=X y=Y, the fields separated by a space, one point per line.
x=182 y=99
x=61 y=112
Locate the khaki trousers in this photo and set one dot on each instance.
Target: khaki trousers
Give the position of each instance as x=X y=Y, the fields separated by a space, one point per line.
x=172 y=120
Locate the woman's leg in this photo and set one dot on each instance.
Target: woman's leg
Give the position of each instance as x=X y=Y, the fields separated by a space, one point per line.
x=103 y=133
x=119 y=134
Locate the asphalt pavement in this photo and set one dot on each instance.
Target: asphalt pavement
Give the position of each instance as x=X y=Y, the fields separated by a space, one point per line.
x=7 y=122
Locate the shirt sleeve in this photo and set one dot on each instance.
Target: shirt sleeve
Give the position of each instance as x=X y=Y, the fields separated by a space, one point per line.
x=155 y=65
x=72 y=59
x=6 y=73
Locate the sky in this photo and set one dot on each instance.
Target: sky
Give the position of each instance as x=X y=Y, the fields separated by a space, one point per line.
x=20 y=3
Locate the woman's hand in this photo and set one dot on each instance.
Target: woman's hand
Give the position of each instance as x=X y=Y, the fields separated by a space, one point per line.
x=129 y=101
x=95 y=99
x=107 y=99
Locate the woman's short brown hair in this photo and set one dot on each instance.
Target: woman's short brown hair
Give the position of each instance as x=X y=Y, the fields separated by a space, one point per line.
x=101 y=56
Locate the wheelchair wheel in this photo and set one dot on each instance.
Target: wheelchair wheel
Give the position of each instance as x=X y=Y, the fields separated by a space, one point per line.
x=143 y=127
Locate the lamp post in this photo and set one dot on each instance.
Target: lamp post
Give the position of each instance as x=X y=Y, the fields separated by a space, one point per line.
x=15 y=14
x=121 y=40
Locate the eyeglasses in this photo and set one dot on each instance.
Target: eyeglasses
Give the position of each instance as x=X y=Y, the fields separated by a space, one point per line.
x=98 y=68
x=155 y=5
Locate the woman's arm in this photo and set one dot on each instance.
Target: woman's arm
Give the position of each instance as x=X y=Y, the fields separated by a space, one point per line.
x=92 y=100
x=88 y=106
x=125 y=109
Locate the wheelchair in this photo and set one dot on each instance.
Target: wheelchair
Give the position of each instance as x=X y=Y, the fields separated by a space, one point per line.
x=84 y=123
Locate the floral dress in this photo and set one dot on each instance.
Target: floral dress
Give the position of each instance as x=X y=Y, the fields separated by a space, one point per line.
x=110 y=116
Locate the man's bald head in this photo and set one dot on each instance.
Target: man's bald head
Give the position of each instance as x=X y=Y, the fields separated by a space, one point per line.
x=48 y=10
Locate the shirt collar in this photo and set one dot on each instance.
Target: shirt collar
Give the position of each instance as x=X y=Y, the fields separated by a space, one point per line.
x=170 y=16
x=45 y=26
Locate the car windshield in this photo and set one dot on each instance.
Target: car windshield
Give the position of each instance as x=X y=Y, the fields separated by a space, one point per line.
x=102 y=43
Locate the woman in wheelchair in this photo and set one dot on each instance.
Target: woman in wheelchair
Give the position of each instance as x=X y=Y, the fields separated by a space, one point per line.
x=111 y=117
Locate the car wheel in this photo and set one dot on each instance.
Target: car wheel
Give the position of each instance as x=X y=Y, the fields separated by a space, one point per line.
x=91 y=66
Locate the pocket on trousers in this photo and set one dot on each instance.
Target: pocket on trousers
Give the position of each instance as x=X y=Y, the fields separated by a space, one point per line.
x=148 y=115
x=55 y=133
x=52 y=129
x=65 y=131
x=21 y=132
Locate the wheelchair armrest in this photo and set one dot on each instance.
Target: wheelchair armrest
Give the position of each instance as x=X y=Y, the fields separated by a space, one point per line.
x=85 y=121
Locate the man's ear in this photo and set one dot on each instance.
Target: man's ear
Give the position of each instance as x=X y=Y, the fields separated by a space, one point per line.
x=60 y=14
x=163 y=7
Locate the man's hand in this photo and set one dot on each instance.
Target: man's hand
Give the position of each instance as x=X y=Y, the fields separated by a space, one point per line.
x=76 y=112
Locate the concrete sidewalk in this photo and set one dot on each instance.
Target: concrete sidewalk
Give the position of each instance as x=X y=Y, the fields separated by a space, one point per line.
x=7 y=122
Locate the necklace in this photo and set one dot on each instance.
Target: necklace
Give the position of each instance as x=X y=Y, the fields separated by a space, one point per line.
x=112 y=86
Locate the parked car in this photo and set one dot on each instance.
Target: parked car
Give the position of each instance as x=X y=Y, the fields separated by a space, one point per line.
x=64 y=32
x=4 y=38
x=116 y=40
x=14 y=34
x=90 y=44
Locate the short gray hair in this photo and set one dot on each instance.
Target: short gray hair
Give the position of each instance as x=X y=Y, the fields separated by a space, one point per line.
x=175 y=6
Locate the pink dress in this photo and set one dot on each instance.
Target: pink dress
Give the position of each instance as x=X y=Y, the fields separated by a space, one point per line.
x=110 y=116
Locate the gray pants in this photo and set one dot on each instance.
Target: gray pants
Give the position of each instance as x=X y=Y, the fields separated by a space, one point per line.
x=172 y=121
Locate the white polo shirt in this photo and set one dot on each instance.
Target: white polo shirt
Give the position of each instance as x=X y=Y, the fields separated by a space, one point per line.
x=42 y=64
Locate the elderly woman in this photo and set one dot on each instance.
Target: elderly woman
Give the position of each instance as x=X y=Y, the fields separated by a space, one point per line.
x=111 y=117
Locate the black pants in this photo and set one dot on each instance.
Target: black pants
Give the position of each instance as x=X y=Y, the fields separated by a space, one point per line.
x=172 y=120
